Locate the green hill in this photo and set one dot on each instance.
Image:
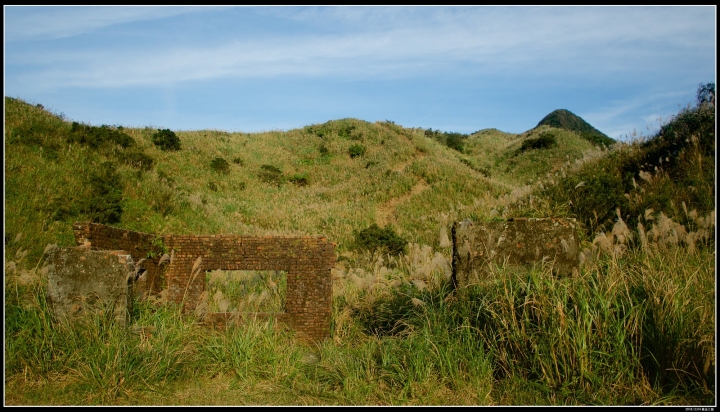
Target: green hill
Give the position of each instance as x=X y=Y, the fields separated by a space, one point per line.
x=331 y=179
x=565 y=119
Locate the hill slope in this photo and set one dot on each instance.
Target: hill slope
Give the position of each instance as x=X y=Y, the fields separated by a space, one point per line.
x=565 y=119
x=328 y=179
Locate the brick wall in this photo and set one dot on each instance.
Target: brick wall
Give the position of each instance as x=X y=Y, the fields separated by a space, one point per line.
x=307 y=261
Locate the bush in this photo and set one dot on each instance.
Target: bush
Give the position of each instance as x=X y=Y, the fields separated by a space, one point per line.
x=544 y=141
x=357 y=150
x=271 y=174
x=238 y=161
x=375 y=239
x=454 y=141
x=104 y=204
x=166 y=140
x=220 y=165
x=96 y=137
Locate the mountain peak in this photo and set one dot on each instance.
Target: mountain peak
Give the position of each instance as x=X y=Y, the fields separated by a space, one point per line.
x=565 y=119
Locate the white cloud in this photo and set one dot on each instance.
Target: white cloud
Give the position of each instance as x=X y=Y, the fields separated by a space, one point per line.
x=371 y=41
x=41 y=22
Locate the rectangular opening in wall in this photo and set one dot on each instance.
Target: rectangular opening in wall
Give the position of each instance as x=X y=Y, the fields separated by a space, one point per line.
x=246 y=291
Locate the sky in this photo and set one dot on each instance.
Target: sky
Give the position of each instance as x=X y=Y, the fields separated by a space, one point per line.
x=624 y=70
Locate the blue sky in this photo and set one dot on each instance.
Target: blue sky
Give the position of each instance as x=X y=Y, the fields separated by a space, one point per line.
x=458 y=69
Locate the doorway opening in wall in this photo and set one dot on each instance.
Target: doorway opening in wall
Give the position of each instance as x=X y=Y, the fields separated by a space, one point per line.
x=246 y=291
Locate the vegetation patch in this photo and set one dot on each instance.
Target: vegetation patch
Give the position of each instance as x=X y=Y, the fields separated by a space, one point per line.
x=299 y=179
x=545 y=141
x=166 y=140
x=104 y=204
x=375 y=239
x=452 y=140
x=136 y=157
x=96 y=137
x=356 y=150
x=271 y=175
x=220 y=165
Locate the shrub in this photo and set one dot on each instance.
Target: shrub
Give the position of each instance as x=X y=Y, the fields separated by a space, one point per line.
x=544 y=141
x=271 y=174
x=375 y=239
x=238 y=161
x=166 y=140
x=96 y=137
x=357 y=150
x=454 y=141
x=324 y=150
x=220 y=165
x=104 y=204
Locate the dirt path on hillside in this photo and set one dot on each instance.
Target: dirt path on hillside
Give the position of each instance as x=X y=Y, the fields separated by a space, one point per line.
x=385 y=213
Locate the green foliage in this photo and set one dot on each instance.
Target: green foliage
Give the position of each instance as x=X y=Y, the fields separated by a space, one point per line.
x=136 y=157
x=345 y=131
x=45 y=133
x=104 y=204
x=455 y=141
x=96 y=137
x=166 y=140
x=271 y=175
x=324 y=151
x=565 y=119
x=238 y=161
x=594 y=201
x=299 y=179
x=545 y=141
x=452 y=140
x=356 y=150
x=220 y=165
x=375 y=239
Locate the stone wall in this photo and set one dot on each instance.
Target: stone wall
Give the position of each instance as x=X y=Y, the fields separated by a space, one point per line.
x=519 y=243
x=307 y=261
x=82 y=280
x=137 y=244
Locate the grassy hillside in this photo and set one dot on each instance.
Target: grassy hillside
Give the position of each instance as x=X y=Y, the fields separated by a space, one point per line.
x=299 y=182
x=635 y=326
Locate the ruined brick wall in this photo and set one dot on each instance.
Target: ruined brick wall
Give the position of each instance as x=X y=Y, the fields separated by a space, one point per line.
x=137 y=244
x=518 y=243
x=307 y=261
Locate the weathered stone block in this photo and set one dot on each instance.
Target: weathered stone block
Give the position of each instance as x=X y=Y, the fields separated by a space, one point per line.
x=81 y=280
x=517 y=243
